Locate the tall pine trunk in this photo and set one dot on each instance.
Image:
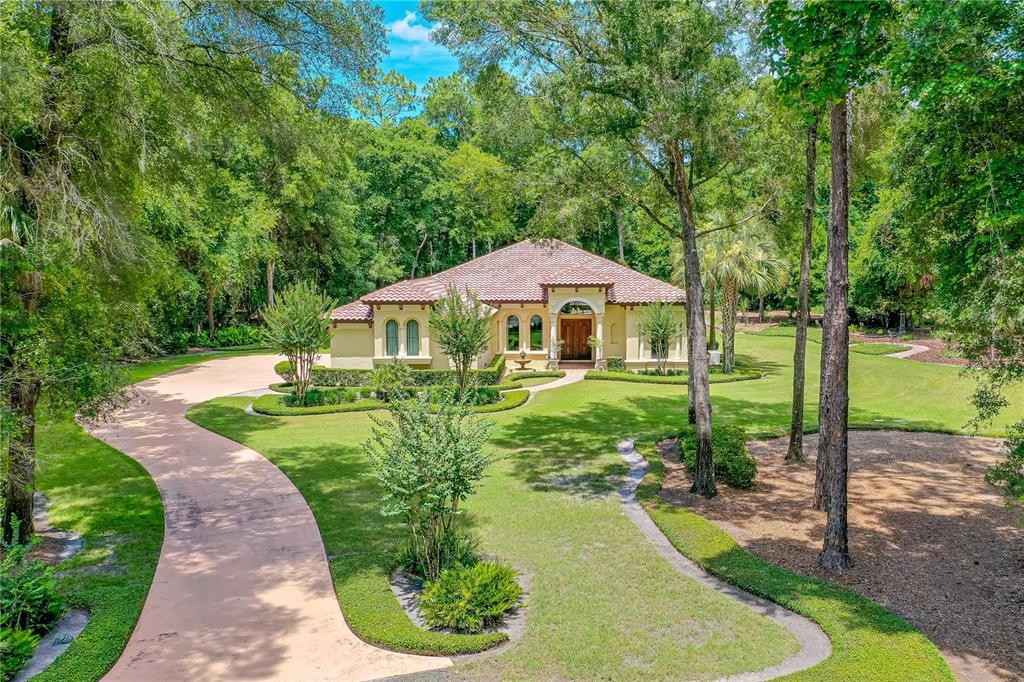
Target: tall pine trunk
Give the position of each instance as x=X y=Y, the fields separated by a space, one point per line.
x=795 y=453
x=270 y=284
x=621 y=229
x=834 y=402
x=697 y=341
x=711 y=313
x=730 y=302
x=211 y=296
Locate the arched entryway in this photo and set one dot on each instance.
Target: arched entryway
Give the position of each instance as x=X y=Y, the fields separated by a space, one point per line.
x=575 y=327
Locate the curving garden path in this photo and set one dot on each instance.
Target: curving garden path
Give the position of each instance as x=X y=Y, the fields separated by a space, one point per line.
x=242 y=590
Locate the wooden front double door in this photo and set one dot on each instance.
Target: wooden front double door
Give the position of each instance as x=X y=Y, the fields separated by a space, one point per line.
x=575 y=332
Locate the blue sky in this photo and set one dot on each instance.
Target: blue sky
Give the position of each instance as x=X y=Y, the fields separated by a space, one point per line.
x=412 y=53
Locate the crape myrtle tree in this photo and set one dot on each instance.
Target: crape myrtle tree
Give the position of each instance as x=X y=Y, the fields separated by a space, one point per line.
x=460 y=325
x=298 y=327
x=97 y=104
x=428 y=457
x=657 y=79
x=826 y=50
x=658 y=328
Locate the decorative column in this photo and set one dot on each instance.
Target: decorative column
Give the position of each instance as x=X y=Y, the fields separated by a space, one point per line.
x=599 y=362
x=553 y=342
x=401 y=339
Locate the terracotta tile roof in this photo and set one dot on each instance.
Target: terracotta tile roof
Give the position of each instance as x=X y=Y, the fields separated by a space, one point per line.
x=356 y=311
x=521 y=273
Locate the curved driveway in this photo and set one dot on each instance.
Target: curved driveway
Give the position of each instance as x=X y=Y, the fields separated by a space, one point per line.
x=242 y=590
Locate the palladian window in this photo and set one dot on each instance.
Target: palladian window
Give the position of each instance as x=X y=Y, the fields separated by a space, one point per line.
x=412 y=338
x=391 y=338
x=512 y=325
x=536 y=333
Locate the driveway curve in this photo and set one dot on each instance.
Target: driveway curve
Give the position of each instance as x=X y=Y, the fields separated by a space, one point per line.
x=242 y=589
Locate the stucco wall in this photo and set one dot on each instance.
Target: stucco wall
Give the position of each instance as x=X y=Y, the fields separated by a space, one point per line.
x=352 y=345
x=638 y=353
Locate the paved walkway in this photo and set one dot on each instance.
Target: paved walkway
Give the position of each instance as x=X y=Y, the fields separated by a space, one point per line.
x=815 y=646
x=242 y=590
x=915 y=348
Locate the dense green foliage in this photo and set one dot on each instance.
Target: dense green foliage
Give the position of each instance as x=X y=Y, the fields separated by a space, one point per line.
x=470 y=598
x=729 y=450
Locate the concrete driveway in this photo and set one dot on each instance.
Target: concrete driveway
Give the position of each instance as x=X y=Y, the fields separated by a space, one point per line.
x=242 y=590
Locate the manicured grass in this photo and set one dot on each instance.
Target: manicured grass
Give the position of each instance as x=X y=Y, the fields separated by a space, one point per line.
x=813 y=333
x=878 y=348
x=113 y=503
x=868 y=641
x=602 y=605
x=602 y=602
x=741 y=374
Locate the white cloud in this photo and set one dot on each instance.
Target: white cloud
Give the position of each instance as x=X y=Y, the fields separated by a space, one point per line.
x=407 y=29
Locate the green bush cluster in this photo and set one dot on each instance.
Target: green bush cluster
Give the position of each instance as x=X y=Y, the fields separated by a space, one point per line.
x=330 y=376
x=509 y=401
x=470 y=598
x=227 y=337
x=677 y=379
x=319 y=395
x=29 y=605
x=665 y=373
x=273 y=405
x=616 y=363
x=729 y=453
x=458 y=548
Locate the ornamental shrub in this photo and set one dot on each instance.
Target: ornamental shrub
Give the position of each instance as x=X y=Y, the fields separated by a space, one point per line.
x=616 y=363
x=458 y=548
x=391 y=381
x=28 y=591
x=16 y=648
x=315 y=397
x=728 y=451
x=470 y=598
x=240 y=335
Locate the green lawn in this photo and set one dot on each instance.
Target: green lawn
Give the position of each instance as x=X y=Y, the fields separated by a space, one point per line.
x=878 y=348
x=602 y=604
x=113 y=503
x=110 y=500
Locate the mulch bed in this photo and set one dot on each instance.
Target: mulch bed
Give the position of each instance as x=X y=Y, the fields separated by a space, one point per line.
x=930 y=539
x=935 y=353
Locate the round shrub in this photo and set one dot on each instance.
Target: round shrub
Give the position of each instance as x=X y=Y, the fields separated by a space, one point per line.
x=470 y=598
x=728 y=451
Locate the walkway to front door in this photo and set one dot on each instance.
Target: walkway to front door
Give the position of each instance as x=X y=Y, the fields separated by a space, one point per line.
x=575 y=332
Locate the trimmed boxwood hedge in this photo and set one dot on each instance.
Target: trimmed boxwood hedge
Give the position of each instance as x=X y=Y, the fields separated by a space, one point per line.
x=715 y=378
x=869 y=642
x=272 y=404
x=330 y=376
x=535 y=374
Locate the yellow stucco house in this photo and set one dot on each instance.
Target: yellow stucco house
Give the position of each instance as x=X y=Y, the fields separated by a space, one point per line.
x=545 y=299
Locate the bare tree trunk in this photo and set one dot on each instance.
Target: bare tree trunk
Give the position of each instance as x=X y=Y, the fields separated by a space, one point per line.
x=730 y=301
x=416 y=258
x=700 y=393
x=834 y=402
x=474 y=248
x=760 y=308
x=620 y=228
x=211 y=296
x=21 y=470
x=270 y=284
x=711 y=305
x=795 y=453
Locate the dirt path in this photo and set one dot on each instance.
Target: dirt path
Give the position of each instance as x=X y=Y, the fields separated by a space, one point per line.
x=930 y=539
x=242 y=590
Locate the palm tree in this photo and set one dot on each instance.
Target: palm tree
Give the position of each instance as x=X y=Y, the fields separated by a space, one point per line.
x=745 y=259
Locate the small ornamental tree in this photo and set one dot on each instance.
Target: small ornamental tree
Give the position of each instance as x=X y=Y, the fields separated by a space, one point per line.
x=297 y=327
x=657 y=326
x=461 y=327
x=428 y=459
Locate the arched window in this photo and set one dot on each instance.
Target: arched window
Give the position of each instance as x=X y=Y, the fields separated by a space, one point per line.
x=412 y=338
x=576 y=308
x=512 y=325
x=536 y=333
x=391 y=338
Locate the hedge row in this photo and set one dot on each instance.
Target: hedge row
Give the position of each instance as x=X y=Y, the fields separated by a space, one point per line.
x=273 y=405
x=869 y=642
x=715 y=378
x=330 y=376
